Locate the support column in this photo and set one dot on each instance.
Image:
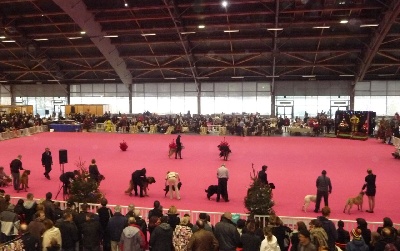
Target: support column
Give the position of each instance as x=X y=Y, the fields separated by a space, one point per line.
x=68 y=89
x=12 y=94
x=352 y=94
x=130 y=99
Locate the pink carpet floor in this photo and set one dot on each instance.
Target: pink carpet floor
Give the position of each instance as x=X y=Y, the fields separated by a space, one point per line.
x=293 y=165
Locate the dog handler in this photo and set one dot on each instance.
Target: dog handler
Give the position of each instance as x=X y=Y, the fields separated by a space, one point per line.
x=47 y=161
x=172 y=179
x=324 y=188
x=371 y=190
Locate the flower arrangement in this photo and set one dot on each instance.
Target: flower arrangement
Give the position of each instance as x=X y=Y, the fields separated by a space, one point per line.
x=224 y=149
x=123 y=146
x=172 y=148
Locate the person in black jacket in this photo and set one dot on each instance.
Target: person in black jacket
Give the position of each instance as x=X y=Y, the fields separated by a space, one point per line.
x=47 y=161
x=137 y=180
x=15 y=166
x=161 y=237
x=92 y=233
x=115 y=225
x=30 y=242
x=343 y=235
x=94 y=171
x=370 y=190
x=262 y=175
x=69 y=232
x=249 y=240
x=329 y=228
x=105 y=214
x=178 y=151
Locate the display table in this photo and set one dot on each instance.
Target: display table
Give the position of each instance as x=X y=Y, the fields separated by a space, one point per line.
x=306 y=130
x=66 y=127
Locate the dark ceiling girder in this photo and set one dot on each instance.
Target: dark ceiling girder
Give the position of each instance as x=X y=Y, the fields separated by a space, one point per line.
x=178 y=24
x=371 y=50
x=77 y=11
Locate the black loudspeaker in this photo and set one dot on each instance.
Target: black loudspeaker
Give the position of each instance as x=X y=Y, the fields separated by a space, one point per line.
x=46 y=112
x=63 y=156
x=72 y=109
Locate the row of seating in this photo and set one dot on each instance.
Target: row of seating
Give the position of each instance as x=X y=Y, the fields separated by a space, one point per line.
x=23 y=132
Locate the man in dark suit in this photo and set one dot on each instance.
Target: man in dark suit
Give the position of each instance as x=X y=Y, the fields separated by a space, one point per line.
x=47 y=161
x=178 y=151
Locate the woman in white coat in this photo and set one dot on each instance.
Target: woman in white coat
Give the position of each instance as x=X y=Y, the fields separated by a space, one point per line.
x=270 y=243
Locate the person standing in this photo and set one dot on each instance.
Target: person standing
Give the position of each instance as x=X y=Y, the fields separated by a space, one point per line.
x=115 y=226
x=324 y=188
x=47 y=161
x=329 y=228
x=202 y=239
x=94 y=171
x=171 y=180
x=223 y=176
x=137 y=180
x=371 y=190
x=305 y=243
x=15 y=166
x=178 y=151
x=226 y=233
x=262 y=175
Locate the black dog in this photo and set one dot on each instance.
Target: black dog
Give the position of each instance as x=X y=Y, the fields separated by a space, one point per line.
x=166 y=189
x=211 y=190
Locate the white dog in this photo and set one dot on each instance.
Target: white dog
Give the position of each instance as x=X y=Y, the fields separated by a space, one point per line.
x=307 y=200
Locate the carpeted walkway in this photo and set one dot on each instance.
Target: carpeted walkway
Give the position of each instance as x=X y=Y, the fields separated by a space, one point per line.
x=294 y=164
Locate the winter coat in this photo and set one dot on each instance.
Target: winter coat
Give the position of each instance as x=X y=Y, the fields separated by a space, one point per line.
x=9 y=223
x=270 y=245
x=92 y=233
x=357 y=245
x=49 y=235
x=203 y=240
x=331 y=232
x=250 y=241
x=29 y=210
x=131 y=239
x=227 y=235
x=161 y=238
x=181 y=237
x=319 y=237
x=69 y=234
x=115 y=226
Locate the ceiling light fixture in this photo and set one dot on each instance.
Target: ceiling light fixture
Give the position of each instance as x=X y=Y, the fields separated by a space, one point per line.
x=346 y=75
x=148 y=34
x=169 y=78
x=237 y=77
x=53 y=80
x=111 y=36
x=272 y=76
x=72 y=38
x=344 y=21
x=109 y=79
x=126 y=4
x=274 y=29
x=321 y=27
x=309 y=76
x=8 y=41
x=83 y=32
x=187 y=32
x=2 y=37
x=369 y=25
x=3 y=81
x=203 y=77
x=231 y=31
x=201 y=26
x=224 y=4
x=41 y=39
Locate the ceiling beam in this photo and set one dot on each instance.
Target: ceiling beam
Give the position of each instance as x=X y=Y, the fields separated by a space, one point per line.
x=77 y=10
x=371 y=50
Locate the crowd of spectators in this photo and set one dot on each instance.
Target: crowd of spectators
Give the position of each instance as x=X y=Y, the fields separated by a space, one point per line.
x=43 y=226
x=15 y=121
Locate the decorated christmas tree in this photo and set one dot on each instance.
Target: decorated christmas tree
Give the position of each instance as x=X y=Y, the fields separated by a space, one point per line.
x=259 y=197
x=83 y=188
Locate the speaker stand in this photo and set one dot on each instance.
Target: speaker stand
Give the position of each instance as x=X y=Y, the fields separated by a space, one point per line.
x=62 y=185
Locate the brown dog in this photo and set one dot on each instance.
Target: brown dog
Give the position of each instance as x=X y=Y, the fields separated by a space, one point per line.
x=24 y=180
x=358 y=200
x=146 y=182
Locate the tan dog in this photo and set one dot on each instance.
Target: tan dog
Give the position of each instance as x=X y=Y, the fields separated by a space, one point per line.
x=358 y=200
x=146 y=182
x=24 y=180
x=307 y=200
